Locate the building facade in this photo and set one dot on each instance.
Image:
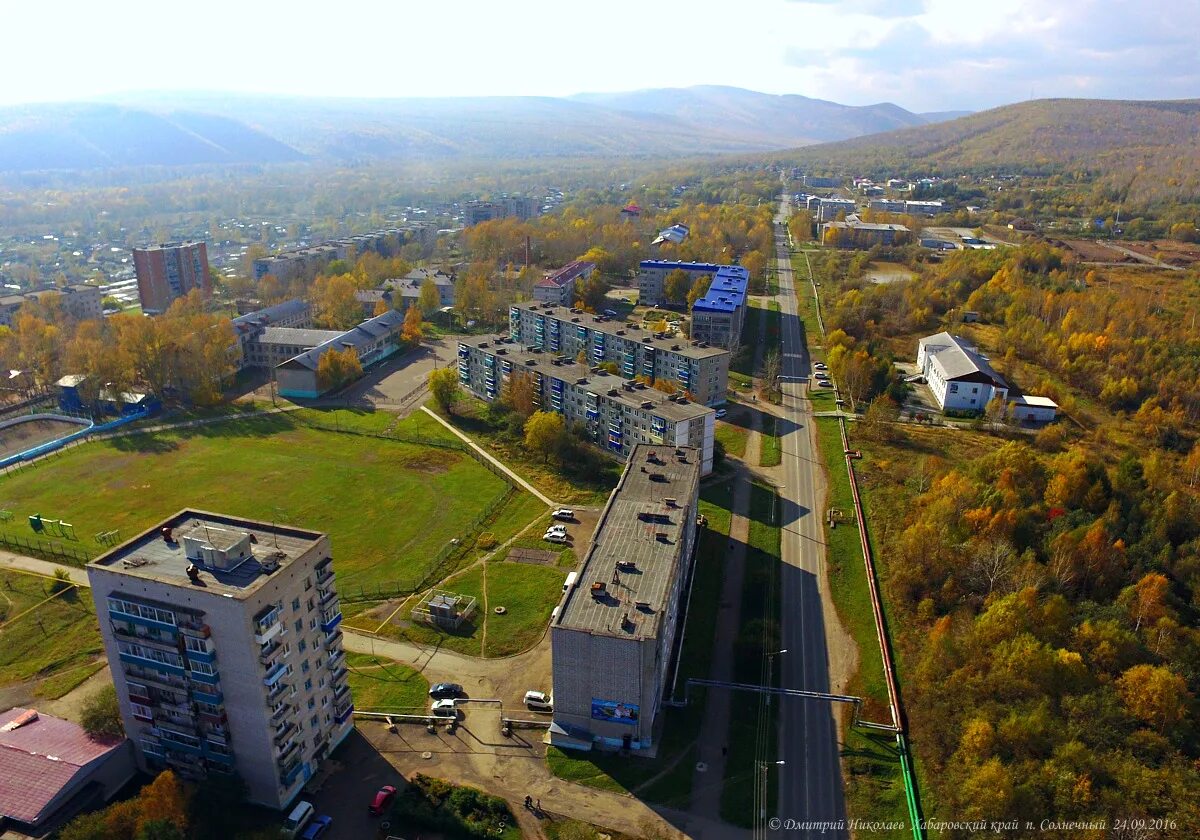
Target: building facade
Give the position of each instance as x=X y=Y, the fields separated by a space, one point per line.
x=718 y=316
x=79 y=301
x=251 y=327
x=559 y=286
x=961 y=379
x=409 y=286
x=693 y=367
x=223 y=641
x=613 y=637
x=652 y=277
x=168 y=272
x=862 y=235
x=373 y=340
x=830 y=208
x=516 y=206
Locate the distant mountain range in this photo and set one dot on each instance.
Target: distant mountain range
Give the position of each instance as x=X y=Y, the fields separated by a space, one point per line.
x=197 y=128
x=1142 y=150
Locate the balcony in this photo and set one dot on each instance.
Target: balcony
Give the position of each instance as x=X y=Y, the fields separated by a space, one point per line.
x=282 y=712
x=329 y=622
x=204 y=694
x=334 y=640
x=289 y=751
x=270 y=654
x=194 y=627
x=340 y=691
x=153 y=664
x=343 y=714
x=325 y=574
x=267 y=625
x=277 y=692
x=338 y=671
x=275 y=674
x=126 y=632
x=336 y=659
x=118 y=615
x=283 y=733
x=289 y=772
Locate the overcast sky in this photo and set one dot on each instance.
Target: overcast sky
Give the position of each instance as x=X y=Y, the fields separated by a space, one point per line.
x=924 y=55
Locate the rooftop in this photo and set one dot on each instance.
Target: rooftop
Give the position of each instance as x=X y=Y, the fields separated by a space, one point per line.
x=270 y=314
x=958 y=358
x=297 y=336
x=598 y=382
x=234 y=555
x=726 y=292
x=634 y=553
x=356 y=337
x=856 y=225
x=39 y=755
x=567 y=274
x=689 y=349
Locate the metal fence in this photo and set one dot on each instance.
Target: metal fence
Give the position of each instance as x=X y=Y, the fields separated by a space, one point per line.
x=49 y=549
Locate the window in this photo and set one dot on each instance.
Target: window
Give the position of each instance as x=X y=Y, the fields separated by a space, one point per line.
x=201 y=668
x=193 y=643
x=312 y=702
x=307 y=683
x=299 y=624
x=304 y=667
x=311 y=604
x=303 y=646
x=315 y=721
x=308 y=584
x=312 y=624
x=141 y=711
x=295 y=605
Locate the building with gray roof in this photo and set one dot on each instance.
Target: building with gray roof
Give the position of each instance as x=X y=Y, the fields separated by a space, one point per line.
x=961 y=378
x=613 y=636
x=373 y=340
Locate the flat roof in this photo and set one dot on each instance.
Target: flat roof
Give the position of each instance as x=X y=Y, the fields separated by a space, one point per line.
x=297 y=336
x=623 y=329
x=635 y=549
x=600 y=383
x=150 y=556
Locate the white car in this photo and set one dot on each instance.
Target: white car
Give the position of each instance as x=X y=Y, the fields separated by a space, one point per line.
x=539 y=701
x=563 y=513
x=555 y=537
x=819 y=365
x=557 y=529
x=721 y=413
x=444 y=709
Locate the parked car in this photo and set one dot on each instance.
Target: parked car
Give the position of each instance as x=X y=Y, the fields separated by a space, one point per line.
x=444 y=709
x=383 y=798
x=611 y=313
x=721 y=413
x=563 y=513
x=445 y=689
x=539 y=701
x=317 y=828
x=557 y=529
x=297 y=819
x=820 y=365
x=555 y=537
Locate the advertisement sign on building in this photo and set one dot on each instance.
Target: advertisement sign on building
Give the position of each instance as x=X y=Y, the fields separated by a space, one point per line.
x=614 y=712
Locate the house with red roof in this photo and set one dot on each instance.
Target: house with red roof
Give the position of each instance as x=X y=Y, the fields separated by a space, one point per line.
x=559 y=286
x=51 y=769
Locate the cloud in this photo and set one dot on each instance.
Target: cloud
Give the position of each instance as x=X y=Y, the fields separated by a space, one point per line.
x=946 y=55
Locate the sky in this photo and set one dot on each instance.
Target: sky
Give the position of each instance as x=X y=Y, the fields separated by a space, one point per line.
x=924 y=55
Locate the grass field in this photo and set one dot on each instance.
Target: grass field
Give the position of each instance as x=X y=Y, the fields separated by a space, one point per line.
x=733 y=438
x=527 y=592
x=806 y=308
x=389 y=507
x=383 y=685
x=592 y=490
x=53 y=643
x=667 y=779
x=770 y=451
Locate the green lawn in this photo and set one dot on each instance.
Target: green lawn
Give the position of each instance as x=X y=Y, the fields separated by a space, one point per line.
x=527 y=592
x=743 y=360
x=389 y=507
x=806 y=308
x=383 y=685
x=770 y=452
x=733 y=438
x=667 y=779
x=758 y=636
x=547 y=477
x=55 y=645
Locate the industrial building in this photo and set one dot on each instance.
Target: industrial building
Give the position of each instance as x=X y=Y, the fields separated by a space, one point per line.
x=613 y=638
x=617 y=413
x=718 y=316
x=559 y=286
x=168 y=272
x=223 y=641
x=694 y=367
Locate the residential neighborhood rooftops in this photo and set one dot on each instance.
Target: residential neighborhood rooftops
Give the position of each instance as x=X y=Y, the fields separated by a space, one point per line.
x=39 y=755
x=214 y=542
x=634 y=553
x=690 y=349
x=569 y=273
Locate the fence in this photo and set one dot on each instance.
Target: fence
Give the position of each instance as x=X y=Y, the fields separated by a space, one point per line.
x=48 y=549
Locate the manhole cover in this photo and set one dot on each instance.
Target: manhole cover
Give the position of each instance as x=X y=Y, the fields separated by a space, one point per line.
x=701 y=767
x=500 y=610
x=426 y=755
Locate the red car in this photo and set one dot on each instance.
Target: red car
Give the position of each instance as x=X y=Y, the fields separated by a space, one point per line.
x=381 y=801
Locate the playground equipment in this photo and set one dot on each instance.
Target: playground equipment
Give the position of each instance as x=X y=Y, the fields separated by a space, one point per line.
x=52 y=527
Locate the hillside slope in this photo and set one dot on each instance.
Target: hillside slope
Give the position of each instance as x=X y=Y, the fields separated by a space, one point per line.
x=1147 y=150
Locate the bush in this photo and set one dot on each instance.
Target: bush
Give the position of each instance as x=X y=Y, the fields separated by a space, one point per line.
x=455 y=811
x=101 y=717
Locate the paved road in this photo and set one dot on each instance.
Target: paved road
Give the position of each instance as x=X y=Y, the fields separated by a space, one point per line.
x=810 y=781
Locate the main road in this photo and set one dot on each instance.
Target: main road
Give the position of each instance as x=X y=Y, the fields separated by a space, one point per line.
x=810 y=779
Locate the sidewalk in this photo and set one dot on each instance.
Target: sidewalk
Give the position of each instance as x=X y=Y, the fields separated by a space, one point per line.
x=499 y=464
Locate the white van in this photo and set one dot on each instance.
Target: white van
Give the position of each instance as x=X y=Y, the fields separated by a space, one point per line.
x=294 y=824
x=570 y=581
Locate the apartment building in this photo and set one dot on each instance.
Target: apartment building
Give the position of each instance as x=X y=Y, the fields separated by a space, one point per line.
x=409 y=286
x=613 y=637
x=694 y=367
x=170 y=271
x=652 y=277
x=223 y=641
x=618 y=414
x=309 y=260
x=78 y=301
x=559 y=286
x=862 y=235
x=516 y=206
x=830 y=208
x=718 y=316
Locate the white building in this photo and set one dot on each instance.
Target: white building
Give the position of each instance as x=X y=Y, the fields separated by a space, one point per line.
x=830 y=208
x=1032 y=410
x=223 y=641
x=961 y=379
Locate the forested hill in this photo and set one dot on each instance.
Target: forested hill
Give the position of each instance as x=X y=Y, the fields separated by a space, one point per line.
x=1145 y=150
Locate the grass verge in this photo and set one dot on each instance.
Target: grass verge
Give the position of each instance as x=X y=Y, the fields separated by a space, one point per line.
x=733 y=438
x=384 y=685
x=770 y=450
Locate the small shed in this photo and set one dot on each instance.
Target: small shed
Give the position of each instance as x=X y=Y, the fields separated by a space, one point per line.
x=1029 y=409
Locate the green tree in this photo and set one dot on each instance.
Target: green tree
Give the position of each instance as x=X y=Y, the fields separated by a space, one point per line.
x=101 y=714
x=676 y=285
x=699 y=288
x=545 y=433
x=1154 y=694
x=590 y=293
x=429 y=300
x=444 y=386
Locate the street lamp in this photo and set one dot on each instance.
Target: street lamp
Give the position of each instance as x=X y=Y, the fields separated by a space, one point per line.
x=763 y=766
x=771 y=673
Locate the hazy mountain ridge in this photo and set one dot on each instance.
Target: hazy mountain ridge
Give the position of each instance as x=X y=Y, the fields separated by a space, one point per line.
x=146 y=129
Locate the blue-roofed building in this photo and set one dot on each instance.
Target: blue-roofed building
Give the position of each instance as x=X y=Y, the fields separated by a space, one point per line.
x=717 y=317
x=652 y=275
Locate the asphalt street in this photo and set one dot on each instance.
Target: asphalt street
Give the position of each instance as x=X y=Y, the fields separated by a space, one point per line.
x=810 y=780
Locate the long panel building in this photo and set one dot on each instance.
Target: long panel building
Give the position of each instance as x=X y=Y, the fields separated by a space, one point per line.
x=613 y=638
x=618 y=414
x=718 y=316
x=223 y=640
x=695 y=367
